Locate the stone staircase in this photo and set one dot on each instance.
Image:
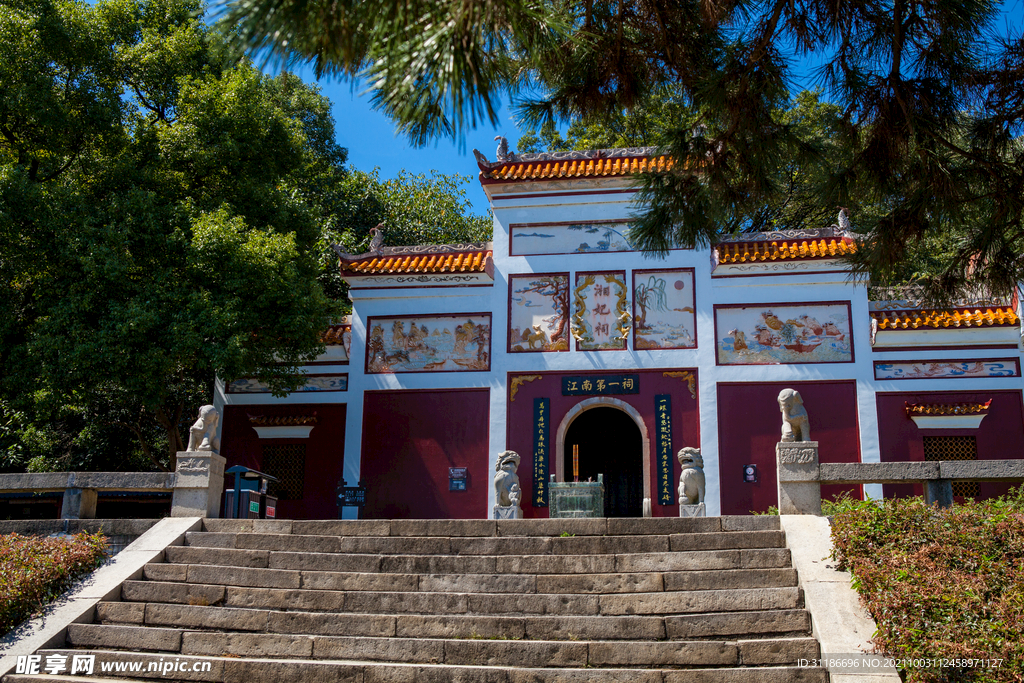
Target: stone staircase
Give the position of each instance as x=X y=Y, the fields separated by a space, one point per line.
x=515 y=601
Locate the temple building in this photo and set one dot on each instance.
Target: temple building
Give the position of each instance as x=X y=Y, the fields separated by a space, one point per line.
x=560 y=334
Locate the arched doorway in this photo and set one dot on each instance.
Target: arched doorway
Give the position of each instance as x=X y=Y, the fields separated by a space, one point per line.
x=610 y=443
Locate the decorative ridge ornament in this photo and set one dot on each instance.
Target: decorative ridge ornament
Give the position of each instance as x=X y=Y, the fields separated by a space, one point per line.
x=282 y=420
x=934 y=409
x=568 y=155
x=414 y=249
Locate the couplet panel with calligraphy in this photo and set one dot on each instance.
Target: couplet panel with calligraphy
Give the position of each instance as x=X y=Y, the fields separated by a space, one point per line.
x=541 y=457
x=601 y=320
x=666 y=466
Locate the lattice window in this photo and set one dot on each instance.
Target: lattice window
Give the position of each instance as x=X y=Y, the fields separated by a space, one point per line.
x=954 y=448
x=287 y=462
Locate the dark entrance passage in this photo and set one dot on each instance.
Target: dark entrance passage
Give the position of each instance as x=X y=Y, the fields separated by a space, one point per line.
x=611 y=444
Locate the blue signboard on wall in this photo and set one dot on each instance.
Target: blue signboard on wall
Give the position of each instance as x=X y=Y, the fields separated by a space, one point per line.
x=600 y=385
x=541 y=430
x=666 y=467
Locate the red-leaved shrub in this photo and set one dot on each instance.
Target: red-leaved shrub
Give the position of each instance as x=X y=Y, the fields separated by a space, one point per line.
x=34 y=571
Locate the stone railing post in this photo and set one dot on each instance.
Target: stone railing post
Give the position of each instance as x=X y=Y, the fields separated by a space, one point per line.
x=939 y=491
x=78 y=503
x=799 y=486
x=198 y=484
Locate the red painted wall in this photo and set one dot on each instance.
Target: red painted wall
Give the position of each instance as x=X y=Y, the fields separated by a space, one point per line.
x=325 y=453
x=410 y=439
x=519 y=437
x=1000 y=436
x=750 y=424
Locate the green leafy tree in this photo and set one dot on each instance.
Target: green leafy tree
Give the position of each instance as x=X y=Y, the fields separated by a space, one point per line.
x=930 y=103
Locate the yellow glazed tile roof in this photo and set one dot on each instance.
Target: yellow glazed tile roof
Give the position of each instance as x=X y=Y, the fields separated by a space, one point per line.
x=788 y=250
x=937 y=409
x=548 y=169
x=995 y=316
x=458 y=262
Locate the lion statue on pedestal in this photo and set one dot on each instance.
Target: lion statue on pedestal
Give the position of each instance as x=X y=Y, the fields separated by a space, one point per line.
x=691 y=477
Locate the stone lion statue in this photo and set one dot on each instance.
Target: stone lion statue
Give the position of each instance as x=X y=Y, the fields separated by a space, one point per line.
x=691 y=477
x=203 y=434
x=506 y=481
x=795 y=425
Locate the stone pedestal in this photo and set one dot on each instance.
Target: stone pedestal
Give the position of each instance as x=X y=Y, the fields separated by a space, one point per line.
x=697 y=510
x=797 y=468
x=198 y=484
x=508 y=512
x=78 y=503
x=576 y=499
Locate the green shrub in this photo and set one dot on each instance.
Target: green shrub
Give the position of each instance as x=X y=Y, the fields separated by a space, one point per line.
x=941 y=583
x=34 y=571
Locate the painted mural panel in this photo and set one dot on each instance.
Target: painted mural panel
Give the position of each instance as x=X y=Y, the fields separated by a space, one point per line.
x=569 y=238
x=768 y=334
x=600 y=315
x=944 y=369
x=326 y=382
x=663 y=309
x=538 y=313
x=429 y=343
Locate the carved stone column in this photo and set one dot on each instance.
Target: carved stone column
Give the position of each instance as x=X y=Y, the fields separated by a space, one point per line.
x=198 y=485
x=798 y=477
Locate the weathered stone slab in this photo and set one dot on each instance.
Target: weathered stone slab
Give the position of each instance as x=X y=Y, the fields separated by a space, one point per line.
x=460 y=626
x=207 y=539
x=764 y=558
x=776 y=650
x=121 y=612
x=674 y=653
x=422 y=673
x=515 y=653
x=430 y=564
x=196 y=616
x=788 y=674
x=749 y=522
x=396 y=545
x=737 y=600
x=877 y=472
x=552 y=527
x=180 y=593
x=277 y=598
x=681 y=561
x=165 y=572
x=249 y=670
x=595 y=628
x=246 y=644
x=221 y=556
x=371 y=625
x=263 y=526
x=738 y=623
x=342 y=527
x=727 y=541
x=442 y=527
x=406 y=650
x=597 y=545
x=648 y=582
x=329 y=562
x=477 y=583
x=243 y=576
x=982 y=470
x=584 y=676
x=555 y=564
x=512 y=545
x=729 y=578
x=291 y=543
x=342 y=581
x=533 y=604
x=406 y=603
x=124 y=637
x=662 y=525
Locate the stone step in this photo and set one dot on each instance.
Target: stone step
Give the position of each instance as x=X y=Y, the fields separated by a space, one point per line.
x=646 y=582
x=307 y=600
x=697 y=625
x=245 y=670
x=752 y=558
x=509 y=527
x=487 y=652
x=512 y=545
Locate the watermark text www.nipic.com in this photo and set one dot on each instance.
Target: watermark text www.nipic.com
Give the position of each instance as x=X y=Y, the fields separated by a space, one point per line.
x=87 y=665
x=867 y=663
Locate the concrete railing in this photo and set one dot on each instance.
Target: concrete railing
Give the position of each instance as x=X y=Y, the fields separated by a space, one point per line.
x=195 y=486
x=800 y=476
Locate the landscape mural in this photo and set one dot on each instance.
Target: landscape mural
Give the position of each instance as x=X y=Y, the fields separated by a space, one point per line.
x=324 y=382
x=538 y=313
x=935 y=369
x=600 y=316
x=767 y=334
x=429 y=343
x=663 y=313
x=570 y=238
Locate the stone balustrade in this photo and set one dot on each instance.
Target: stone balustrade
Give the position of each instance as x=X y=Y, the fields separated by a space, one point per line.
x=195 y=486
x=800 y=476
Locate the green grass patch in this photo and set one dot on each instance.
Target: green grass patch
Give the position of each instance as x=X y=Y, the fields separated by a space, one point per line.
x=34 y=571
x=940 y=584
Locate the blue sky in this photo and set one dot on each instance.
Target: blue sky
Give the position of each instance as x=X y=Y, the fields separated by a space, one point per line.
x=370 y=136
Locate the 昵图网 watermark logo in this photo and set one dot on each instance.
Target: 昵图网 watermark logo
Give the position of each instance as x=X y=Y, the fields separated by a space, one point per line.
x=86 y=665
